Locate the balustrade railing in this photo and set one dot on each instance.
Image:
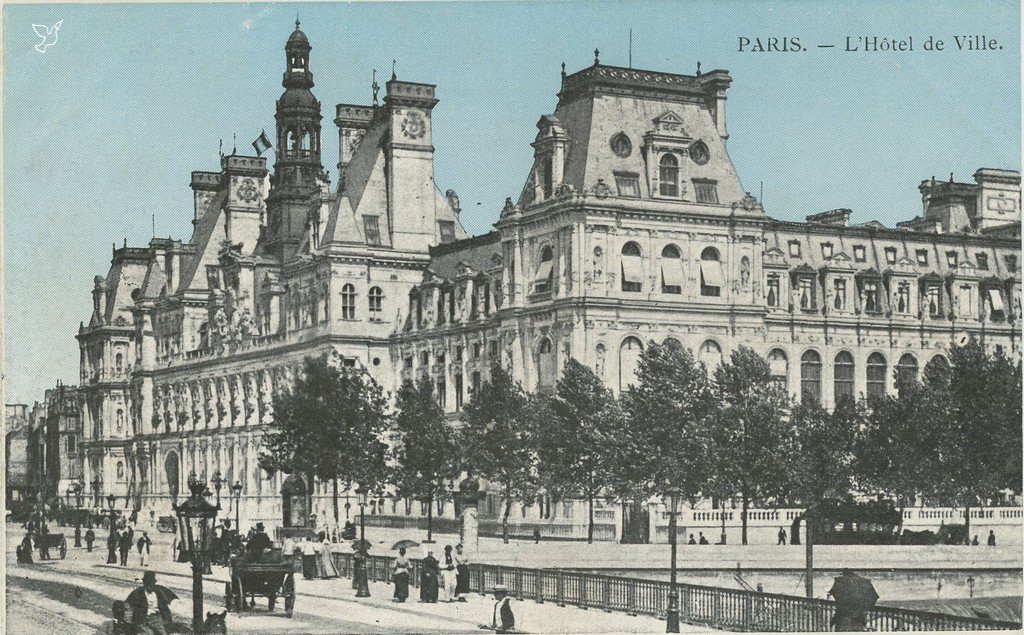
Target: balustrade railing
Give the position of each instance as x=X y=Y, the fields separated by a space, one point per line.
x=715 y=607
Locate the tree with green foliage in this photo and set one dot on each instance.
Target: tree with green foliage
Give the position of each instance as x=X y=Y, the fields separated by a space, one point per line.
x=748 y=430
x=496 y=436
x=577 y=440
x=667 y=431
x=331 y=425
x=425 y=450
x=819 y=455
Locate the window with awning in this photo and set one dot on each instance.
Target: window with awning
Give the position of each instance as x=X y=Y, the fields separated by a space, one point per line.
x=671 y=275
x=632 y=270
x=543 y=278
x=996 y=299
x=711 y=273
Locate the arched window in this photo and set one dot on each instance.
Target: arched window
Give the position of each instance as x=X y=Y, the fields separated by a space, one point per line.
x=120 y=419
x=711 y=278
x=629 y=361
x=632 y=267
x=120 y=470
x=545 y=273
x=671 y=270
x=376 y=298
x=711 y=355
x=671 y=342
x=547 y=176
x=906 y=370
x=843 y=371
x=118 y=363
x=668 y=175
x=545 y=365
x=810 y=376
x=778 y=367
x=348 y=302
x=877 y=371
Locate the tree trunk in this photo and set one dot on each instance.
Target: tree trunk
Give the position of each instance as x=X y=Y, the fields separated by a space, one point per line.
x=430 y=518
x=967 y=524
x=809 y=550
x=335 y=492
x=504 y=520
x=590 y=521
x=743 y=514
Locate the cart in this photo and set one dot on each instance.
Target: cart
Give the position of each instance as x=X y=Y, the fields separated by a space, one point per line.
x=270 y=576
x=165 y=524
x=52 y=541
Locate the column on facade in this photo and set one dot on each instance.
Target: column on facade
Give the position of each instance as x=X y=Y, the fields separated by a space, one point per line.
x=520 y=286
x=238 y=400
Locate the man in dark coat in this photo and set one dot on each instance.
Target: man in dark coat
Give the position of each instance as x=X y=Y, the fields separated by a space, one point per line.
x=90 y=537
x=150 y=605
x=259 y=541
x=502 y=621
x=124 y=545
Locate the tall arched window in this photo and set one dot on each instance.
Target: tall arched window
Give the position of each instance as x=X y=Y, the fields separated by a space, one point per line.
x=545 y=365
x=778 y=367
x=545 y=273
x=632 y=267
x=376 y=298
x=810 y=376
x=120 y=419
x=629 y=361
x=711 y=355
x=843 y=371
x=668 y=175
x=877 y=369
x=120 y=470
x=671 y=270
x=711 y=278
x=906 y=370
x=348 y=302
x=118 y=363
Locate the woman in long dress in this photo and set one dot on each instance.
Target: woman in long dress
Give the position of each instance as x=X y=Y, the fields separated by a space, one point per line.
x=448 y=573
x=428 y=579
x=325 y=563
x=461 y=573
x=401 y=576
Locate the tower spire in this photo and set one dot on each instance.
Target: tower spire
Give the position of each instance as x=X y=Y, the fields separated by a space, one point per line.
x=375 y=87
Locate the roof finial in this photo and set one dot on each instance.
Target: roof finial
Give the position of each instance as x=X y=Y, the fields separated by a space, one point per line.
x=597 y=57
x=563 y=70
x=234 y=144
x=698 y=68
x=950 y=177
x=375 y=86
x=221 y=150
x=296 y=21
x=393 y=75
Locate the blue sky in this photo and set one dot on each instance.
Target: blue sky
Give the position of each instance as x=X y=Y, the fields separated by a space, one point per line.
x=102 y=130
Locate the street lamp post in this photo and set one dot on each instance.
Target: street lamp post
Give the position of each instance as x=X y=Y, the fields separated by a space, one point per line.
x=111 y=538
x=217 y=481
x=195 y=523
x=672 y=495
x=362 y=585
x=236 y=490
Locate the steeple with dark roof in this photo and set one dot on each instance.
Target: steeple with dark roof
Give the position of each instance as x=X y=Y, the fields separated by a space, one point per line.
x=298 y=119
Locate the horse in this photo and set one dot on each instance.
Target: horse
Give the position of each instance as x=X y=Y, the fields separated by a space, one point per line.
x=215 y=623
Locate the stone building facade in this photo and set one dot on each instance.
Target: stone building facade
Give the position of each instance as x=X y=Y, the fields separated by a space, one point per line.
x=54 y=451
x=17 y=486
x=632 y=226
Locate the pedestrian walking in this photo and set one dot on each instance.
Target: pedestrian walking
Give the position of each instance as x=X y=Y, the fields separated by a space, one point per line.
x=44 y=549
x=78 y=535
x=150 y=605
x=461 y=573
x=428 y=579
x=112 y=539
x=308 y=558
x=143 y=545
x=288 y=549
x=448 y=574
x=782 y=536
x=124 y=546
x=90 y=537
x=400 y=576
x=991 y=538
x=325 y=560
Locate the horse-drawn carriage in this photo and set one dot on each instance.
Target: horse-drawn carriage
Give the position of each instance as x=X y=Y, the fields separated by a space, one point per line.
x=166 y=524
x=45 y=542
x=270 y=575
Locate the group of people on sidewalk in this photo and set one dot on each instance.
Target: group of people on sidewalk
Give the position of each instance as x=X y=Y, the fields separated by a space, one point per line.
x=451 y=574
x=317 y=557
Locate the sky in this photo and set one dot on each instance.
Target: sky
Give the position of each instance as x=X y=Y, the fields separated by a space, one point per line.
x=101 y=131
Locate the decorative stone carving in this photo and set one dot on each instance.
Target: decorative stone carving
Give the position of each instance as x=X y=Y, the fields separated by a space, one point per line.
x=601 y=189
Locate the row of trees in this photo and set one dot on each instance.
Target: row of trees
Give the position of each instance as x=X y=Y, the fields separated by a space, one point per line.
x=953 y=435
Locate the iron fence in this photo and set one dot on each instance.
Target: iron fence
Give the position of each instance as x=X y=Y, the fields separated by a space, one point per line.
x=714 y=607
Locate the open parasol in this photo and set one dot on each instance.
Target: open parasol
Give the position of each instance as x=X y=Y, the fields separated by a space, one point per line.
x=404 y=544
x=361 y=545
x=854 y=592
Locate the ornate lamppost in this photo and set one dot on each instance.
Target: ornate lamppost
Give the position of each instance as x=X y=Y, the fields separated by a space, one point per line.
x=362 y=585
x=672 y=498
x=96 y=492
x=195 y=526
x=217 y=481
x=112 y=536
x=236 y=491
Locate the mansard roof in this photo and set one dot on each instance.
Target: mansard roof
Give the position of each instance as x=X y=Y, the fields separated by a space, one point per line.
x=477 y=252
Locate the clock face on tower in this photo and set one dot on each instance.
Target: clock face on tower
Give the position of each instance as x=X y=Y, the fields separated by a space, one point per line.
x=414 y=126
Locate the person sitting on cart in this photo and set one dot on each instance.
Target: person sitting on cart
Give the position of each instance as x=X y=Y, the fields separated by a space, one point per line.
x=119 y=625
x=150 y=605
x=259 y=542
x=24 y=550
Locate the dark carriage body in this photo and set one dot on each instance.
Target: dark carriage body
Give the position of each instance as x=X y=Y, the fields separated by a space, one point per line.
x=52 y=541
x=271 y=576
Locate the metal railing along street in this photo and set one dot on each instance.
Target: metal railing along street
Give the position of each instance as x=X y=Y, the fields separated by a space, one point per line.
x=715 y=607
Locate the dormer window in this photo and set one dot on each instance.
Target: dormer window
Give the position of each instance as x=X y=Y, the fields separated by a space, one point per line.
x=668 y=175
x=859 y=254
x=982 y=260
x=371 y=228
x=628 y=184
x=446 y=229
x=951 y=259
x=794 y=249
x=826 y=250
x=890 y=255
x=922 y=257
x=705 y=191
x=547 y=176
x=543 y=278
x=711 y=278
x=632 y=268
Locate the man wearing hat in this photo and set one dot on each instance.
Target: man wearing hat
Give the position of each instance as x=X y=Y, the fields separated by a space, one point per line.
x=502 y=619
x=259 y=541
x=150 y=605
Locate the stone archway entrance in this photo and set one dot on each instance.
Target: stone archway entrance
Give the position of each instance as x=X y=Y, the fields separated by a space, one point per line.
x=294 y=502
x=171 y=472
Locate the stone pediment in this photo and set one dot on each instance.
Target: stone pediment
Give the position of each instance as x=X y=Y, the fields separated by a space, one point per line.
x=669 y=121
x=841 y=259
x=775 y=256
x=966 y=270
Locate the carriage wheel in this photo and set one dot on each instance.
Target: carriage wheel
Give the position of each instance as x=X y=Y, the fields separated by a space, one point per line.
x=63 y=548
x=271 y=600
x=289 y=598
